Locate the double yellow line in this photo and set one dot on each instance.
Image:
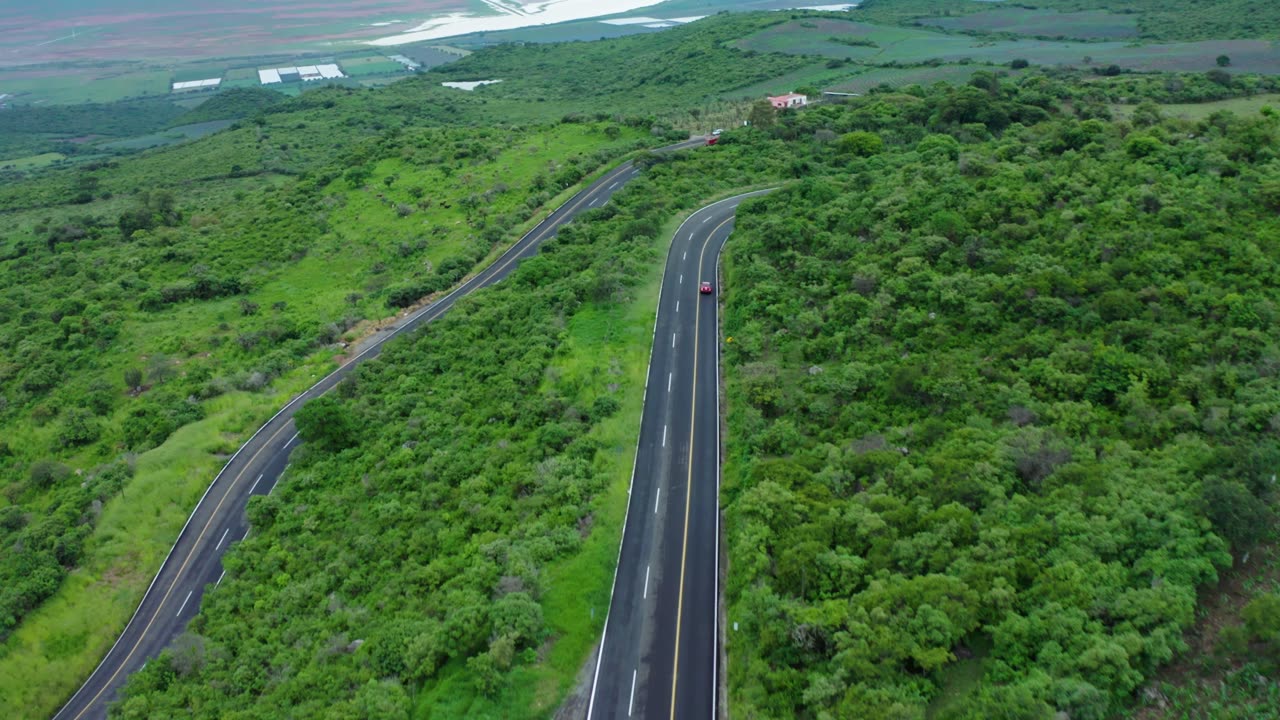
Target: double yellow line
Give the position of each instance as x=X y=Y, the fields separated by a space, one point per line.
x=688 y=498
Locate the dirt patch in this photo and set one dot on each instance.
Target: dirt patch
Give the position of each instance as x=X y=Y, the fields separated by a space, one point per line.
x=1220 y=607
x=575 y=704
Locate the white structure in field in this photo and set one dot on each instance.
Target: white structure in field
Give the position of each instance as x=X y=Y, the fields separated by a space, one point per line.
x=790 y=100
x=196 y=84
x=304 y=73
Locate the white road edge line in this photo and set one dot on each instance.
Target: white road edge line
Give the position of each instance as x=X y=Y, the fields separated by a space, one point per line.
x=631 y=705
x=646 y=582
x=184 y=602
x=224 y=574
x=255 y=484
x=224 y=537
x=604 y=631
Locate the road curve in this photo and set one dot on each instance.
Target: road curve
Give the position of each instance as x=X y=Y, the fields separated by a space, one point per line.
x=218 y=521
x=660 y=646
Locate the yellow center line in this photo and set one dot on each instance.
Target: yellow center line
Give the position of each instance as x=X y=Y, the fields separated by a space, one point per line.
x=688 y=493
x=191 y=553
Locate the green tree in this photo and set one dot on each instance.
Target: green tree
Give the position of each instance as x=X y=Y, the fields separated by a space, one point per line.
x=861 y=144
x=327 y=424
x=763 y=115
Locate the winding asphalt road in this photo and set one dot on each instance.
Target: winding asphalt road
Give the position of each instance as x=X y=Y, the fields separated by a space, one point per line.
x=659 y=652
x=195 y=562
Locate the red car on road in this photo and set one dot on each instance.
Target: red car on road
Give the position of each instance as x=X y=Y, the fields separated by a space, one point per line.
x=705 y=288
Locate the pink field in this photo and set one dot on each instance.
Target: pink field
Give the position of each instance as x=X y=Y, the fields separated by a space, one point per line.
x=240 y=27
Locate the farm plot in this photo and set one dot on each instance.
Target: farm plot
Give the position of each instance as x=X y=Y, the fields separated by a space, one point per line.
x=1089 y=25
x=876 y=44
x=363 y=65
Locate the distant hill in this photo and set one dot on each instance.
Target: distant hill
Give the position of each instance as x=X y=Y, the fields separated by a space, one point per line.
x=232 y=104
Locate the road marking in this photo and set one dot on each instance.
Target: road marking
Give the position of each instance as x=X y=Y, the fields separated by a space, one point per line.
x=595 y=202
x=224 y=574
x=428 y=313
x=646 y=582
x=688 y=496
x=669 y=376
x=685 y=256
x=224 y=537
x=681 y=278
x=184 y=602
x=295 y=437
x=255 y=484
x=655 y=501
x=632 y=703
x=614 y=185
x=664 y=436
x=677 y=306
x=706 y=220
x=673 y=339
x=246 y=534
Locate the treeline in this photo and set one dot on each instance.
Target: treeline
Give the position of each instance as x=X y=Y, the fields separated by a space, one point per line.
x=1001 y=400
x=409 y=547
x=31 y=129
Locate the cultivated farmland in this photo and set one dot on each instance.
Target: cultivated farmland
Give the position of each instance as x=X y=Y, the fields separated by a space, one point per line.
x=877 y=44
x=1090 y=25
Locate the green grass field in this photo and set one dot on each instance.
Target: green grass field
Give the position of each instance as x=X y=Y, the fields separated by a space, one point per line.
x=1200 y=111
x=87 y=87
x=372 y=65
x=32 y=162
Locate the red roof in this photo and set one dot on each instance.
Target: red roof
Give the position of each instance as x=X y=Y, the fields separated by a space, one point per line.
x=788 y=96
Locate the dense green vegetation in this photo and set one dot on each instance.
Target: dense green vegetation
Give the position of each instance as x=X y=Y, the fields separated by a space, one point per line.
x=1002 y=398
x=128 y=313
x=1001 y=384
x=1157 y=19
x=475 y=451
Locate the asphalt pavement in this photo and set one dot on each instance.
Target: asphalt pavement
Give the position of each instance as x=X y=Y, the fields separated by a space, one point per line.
x=659 y=654
x=194 y=565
